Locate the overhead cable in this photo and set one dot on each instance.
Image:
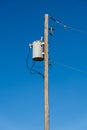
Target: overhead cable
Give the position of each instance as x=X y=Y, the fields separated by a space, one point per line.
x=71 y=67
x=31 y=69
x=66 y=26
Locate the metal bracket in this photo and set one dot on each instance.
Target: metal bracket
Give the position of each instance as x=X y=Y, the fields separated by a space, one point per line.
x=31 y=45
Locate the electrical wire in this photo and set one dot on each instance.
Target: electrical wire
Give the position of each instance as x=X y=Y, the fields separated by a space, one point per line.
x=66 y=26
x=30 y=69
x=27 y=58
x=73 y=29
x=71 y=67
x=33 y=71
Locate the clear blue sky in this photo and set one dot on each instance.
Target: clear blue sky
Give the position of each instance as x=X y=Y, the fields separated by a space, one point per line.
x=21 y=94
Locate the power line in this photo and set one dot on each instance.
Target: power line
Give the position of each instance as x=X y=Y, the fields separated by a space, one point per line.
x=31 y=69
x=71 y=67
x=66 y=26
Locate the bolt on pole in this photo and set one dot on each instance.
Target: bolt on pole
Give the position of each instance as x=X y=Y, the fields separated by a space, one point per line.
x=46 y=104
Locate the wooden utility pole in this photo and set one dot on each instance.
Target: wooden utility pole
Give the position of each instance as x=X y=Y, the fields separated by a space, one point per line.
x=46 y=112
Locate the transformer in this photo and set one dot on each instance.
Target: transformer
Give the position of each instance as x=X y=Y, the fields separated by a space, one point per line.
x=38 y=50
